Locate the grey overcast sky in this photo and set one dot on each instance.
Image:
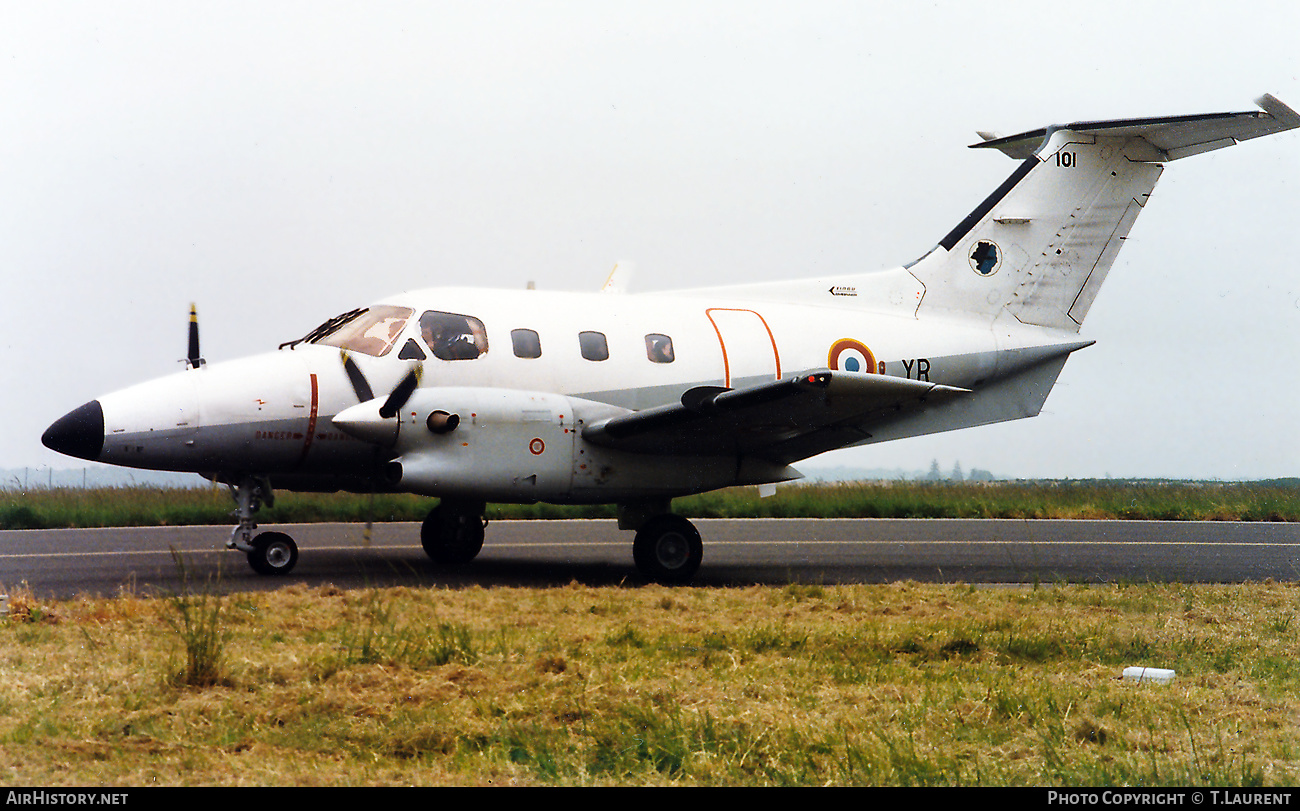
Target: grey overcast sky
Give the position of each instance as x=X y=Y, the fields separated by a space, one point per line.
x=280 y=162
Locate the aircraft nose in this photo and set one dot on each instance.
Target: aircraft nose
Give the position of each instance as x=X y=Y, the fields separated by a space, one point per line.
x=78 y=433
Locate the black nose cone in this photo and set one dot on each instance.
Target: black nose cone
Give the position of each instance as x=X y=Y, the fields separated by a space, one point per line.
x=78 y=433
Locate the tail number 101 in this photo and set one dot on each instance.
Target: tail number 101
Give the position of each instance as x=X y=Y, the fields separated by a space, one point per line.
x=1065 y=160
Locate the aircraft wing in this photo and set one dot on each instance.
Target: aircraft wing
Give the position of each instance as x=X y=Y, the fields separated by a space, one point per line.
x=785 y=420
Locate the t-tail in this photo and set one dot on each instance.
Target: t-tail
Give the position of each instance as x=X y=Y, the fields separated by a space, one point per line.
x=1038 y=249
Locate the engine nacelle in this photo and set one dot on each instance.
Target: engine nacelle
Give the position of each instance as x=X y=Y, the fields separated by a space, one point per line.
x=490 y=444
x=524 y=446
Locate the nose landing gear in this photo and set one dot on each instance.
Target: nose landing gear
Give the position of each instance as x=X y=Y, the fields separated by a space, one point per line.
x=273 y=553
x=269 y=553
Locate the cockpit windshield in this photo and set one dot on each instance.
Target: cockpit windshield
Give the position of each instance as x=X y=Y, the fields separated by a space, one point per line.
x=370 y=332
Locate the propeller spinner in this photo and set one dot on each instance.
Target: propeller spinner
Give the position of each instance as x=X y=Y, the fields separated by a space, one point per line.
x=364 y=420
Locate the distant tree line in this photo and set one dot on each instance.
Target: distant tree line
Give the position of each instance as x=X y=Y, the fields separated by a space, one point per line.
x=937 y=475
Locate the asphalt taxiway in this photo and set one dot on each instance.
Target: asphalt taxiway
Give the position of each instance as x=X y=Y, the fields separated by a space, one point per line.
x=64 y=563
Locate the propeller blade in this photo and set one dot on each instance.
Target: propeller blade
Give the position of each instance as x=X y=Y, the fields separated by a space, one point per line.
x=359 y=383
x=364 y=421
x=193 y=359
x=400 y=394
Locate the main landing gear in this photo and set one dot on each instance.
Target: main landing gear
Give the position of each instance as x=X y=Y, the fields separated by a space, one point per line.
x=272 y=553
x=453 y=531
x=667 y=549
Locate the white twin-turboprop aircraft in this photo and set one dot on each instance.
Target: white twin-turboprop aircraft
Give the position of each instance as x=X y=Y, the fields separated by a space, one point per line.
x=476 y=396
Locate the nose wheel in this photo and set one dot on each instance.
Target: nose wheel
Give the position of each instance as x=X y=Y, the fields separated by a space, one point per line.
x=273 y=553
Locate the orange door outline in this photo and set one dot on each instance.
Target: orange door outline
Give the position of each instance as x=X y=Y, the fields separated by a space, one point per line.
x=726 y=360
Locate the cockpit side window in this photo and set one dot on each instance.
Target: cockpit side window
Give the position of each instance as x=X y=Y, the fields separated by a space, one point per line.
x=372 y=333
x=453 y=337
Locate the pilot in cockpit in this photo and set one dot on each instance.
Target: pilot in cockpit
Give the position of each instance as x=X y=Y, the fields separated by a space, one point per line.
x=452 y=337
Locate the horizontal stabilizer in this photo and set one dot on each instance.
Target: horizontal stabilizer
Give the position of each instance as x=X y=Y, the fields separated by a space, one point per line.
x=1172 y=137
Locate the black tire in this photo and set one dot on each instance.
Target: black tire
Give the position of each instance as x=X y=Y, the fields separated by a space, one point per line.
x=274 y=553
x=668 y=549
x=450 y=536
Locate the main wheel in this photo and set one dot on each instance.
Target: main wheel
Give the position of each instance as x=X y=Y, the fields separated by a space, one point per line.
x=452 y=536
x=668 y=549
x=273 y=553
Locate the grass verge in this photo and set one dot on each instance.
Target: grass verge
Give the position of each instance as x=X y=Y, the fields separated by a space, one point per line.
x=902 y=684
x=1158 y=500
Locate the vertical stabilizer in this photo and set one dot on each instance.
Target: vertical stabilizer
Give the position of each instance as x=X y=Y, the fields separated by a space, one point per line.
x=1039 y=248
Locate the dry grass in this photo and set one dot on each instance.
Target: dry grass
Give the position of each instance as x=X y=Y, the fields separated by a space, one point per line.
x=902 y=684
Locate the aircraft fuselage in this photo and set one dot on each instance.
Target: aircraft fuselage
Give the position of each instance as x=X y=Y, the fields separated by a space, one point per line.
x=272 y=414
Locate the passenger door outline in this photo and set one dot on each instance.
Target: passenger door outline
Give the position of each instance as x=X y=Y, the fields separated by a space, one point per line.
x=738 y=327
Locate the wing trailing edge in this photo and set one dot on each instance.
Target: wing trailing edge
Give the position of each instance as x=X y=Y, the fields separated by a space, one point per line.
x=768 y=420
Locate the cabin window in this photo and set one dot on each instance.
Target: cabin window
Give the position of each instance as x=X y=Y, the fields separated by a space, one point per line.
x=659 y=348
x=373 y=332
x=453 y=337
x=594 y=346
x=526 y=343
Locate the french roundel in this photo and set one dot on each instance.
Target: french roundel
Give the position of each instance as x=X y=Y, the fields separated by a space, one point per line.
x=848 y=355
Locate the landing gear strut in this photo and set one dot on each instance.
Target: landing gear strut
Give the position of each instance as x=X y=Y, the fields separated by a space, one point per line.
x=268 y=552
x=453 y=531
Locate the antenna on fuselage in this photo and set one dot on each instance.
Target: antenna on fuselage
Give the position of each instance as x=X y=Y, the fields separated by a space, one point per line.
x=193 y=359
x=619 y=278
